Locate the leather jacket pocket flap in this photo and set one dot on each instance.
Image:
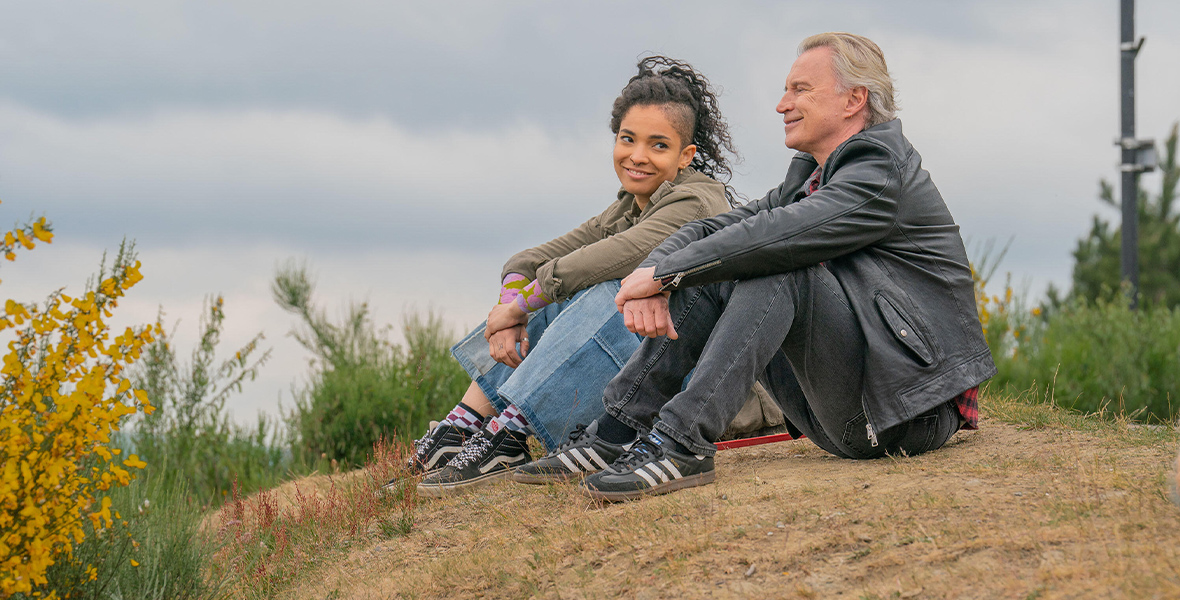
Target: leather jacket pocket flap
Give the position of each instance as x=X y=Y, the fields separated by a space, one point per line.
x=903 y=330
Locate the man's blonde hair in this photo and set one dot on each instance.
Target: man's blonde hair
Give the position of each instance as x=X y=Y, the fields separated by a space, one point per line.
x=858 y=62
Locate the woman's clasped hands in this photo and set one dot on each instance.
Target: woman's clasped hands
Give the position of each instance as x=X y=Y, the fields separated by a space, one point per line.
x=507 y=327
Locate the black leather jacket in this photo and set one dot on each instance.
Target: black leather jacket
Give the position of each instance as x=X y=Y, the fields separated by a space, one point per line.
x=881 y=227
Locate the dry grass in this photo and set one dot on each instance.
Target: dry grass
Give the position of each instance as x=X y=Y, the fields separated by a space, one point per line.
x=271 y=538
x=1037 y=504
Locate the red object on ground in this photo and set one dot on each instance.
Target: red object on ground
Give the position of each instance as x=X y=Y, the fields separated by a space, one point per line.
x=754 y=441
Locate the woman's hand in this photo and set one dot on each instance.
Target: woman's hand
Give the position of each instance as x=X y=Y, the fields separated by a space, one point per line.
x=502 y=345
x=639 y=284
x=649 y=317
x=504 y=316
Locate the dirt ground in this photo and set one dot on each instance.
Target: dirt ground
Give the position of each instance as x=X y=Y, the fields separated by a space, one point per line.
x=1009 y=511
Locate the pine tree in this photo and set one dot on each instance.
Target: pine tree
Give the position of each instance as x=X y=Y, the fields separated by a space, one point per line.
x=1097 y=271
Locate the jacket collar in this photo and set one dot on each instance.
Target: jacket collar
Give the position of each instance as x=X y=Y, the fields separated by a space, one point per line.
x=888 y=133
x=627 y=199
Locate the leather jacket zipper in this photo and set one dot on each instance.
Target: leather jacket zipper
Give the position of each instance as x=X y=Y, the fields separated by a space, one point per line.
x=681 y=275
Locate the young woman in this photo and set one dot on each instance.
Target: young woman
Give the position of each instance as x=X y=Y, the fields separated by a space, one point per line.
x=549 y=347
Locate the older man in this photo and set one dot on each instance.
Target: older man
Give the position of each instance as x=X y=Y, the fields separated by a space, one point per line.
x=846 y=291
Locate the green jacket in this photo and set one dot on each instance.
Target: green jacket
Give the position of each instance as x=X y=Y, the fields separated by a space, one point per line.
x=612 y=244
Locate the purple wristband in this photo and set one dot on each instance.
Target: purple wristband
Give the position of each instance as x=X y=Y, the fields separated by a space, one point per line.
x=511 y=286
x=532 y=299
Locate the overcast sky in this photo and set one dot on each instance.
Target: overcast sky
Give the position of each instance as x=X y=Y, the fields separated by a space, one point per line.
x=405 y=150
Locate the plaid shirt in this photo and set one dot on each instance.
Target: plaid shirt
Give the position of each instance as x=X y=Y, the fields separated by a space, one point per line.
x=966 y=403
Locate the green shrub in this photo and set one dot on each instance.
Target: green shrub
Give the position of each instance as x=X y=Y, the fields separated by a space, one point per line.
x=190 y=439
x=1099 y=356
x=154 y=550
x=362 y=387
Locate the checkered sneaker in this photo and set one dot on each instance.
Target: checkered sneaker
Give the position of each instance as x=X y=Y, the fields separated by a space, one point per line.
x=486 y=457
x=648 y=468
x=435 y=449
x=582 y=454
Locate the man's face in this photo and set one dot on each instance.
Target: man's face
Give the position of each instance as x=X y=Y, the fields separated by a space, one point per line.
x=814 y=110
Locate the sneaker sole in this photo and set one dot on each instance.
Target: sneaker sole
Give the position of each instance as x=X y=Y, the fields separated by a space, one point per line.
x=537 y=479
x=440 y=490
x=663 y=488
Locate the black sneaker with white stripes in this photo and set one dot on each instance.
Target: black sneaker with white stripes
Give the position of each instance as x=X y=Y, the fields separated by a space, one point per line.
x=435 y=449
x=485 y=458
x=582 y=454
x=649 y=467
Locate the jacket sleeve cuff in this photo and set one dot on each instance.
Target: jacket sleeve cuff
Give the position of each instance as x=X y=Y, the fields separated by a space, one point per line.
x=522 y=263
x=668 y=283
x=550 y=285
x=672 y=276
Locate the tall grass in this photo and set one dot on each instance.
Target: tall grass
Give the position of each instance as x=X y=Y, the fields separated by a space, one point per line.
x=1097 y=356
x=363 y=387
x=190 y=439
x=270 y=539
x=153 y=551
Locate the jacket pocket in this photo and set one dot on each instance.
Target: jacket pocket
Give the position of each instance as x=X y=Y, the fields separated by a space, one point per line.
x=903 y=330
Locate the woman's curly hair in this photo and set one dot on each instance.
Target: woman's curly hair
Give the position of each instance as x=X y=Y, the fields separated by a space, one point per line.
x=691 y=106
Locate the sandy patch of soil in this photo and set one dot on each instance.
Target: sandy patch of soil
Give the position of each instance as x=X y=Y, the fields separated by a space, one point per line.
x=998 y=513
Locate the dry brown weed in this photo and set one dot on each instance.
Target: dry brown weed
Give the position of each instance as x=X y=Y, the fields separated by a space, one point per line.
x=1005 y=512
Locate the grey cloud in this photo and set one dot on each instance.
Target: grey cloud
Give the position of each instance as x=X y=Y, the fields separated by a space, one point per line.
x=414 y=140
x=1011 y=103
x=425 y=63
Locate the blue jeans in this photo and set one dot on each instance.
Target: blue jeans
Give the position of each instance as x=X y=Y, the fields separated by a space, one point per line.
x=576 y=348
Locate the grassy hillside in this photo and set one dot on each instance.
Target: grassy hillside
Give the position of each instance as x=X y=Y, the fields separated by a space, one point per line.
x=1037 y=504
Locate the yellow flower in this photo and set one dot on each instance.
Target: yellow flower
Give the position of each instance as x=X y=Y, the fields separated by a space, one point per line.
x=40 y=232
x=57 y=414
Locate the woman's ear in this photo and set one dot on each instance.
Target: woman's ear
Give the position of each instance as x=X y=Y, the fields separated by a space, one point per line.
x=686 y=156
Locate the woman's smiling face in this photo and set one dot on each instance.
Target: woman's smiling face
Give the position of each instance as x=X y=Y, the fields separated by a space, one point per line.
x=648 y=151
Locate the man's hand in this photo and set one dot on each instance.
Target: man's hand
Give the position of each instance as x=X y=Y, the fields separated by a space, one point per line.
x=502 y=345
x=649 y=317
x=639 y=284
x=504 y=316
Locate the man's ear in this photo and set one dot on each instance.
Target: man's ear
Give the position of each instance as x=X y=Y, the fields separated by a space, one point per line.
x=686 y=155
x=858 y=99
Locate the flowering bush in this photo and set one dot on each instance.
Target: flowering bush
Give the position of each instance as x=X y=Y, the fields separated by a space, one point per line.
x=1091 y=356
x=63 y=393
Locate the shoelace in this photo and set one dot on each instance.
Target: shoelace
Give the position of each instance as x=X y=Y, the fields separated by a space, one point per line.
x=575 y=436
x=421 y=443
x=475 y=447
x=639 y=454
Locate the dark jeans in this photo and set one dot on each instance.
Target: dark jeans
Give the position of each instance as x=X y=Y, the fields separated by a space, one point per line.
x=796 y=333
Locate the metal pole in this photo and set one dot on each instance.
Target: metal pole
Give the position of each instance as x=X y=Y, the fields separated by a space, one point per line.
x=1130 y=195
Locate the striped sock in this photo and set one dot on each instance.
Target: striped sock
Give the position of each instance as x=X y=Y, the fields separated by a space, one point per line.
x=463 y=417
x=510 y=419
